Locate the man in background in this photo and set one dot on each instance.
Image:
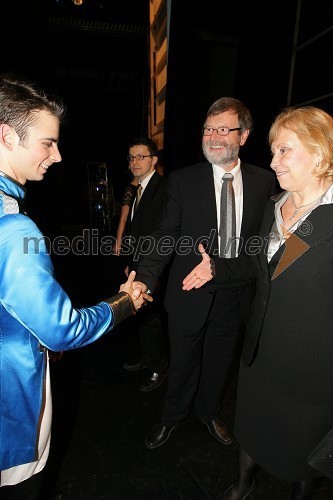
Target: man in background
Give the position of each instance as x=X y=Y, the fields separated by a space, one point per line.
x=145 y=216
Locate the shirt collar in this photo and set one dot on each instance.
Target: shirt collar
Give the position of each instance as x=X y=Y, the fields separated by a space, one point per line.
x=147 y=179
x=11 y=187
x=281 y=198
x=236 y=172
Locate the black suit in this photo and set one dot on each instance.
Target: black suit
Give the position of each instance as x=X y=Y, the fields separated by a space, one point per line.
x=146 y=218
x=204 y=323
x=285 y=397
x=151 y=320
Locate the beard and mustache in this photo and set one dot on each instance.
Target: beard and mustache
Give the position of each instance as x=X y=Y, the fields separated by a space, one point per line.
x=225 y=156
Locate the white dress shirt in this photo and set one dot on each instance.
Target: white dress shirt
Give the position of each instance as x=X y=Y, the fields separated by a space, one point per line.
x=144 y=184
x=237 y=184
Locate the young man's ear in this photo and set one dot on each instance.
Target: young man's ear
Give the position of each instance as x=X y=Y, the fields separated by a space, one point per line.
x=155 y=160
x=6 y=135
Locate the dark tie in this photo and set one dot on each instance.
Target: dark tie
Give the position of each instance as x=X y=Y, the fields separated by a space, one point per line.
x=138 y=197
x=227 y=218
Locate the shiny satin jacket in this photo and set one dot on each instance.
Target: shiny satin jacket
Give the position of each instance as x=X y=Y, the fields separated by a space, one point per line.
x=35 y=313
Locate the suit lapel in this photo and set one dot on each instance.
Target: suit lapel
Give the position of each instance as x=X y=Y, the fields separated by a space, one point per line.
x=205 y=196
x=265 y=230
x=314 y=230
x=147 y=194
x=249 y=196
x=204 y=193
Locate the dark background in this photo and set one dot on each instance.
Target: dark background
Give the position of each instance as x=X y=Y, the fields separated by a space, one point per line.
x=96 y=56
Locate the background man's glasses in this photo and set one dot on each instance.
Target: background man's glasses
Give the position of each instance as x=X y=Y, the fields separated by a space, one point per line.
x=131 y=158
x=219 y=130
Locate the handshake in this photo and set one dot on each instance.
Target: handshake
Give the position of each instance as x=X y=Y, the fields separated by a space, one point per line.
x=136 y=290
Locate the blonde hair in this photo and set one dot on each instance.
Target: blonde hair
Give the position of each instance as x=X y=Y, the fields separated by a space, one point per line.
x=314 y=128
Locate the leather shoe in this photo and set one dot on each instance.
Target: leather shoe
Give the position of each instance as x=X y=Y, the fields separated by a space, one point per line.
x=153 y=381
x=219 y=431
x=159 y=435
x=134 y=366
x=228 y=494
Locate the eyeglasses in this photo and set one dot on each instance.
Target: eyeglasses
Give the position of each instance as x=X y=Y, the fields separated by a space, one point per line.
x=219 y=130
x=131 y=158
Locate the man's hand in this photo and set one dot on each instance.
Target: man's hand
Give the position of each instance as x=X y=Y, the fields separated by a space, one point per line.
x=138 y=288
x=201 y=274
x=138 y=296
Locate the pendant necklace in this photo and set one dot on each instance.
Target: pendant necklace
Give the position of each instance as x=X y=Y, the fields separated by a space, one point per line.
x=302 y=206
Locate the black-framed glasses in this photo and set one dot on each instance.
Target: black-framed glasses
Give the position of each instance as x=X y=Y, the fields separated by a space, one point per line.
x=131 y=158
x=219 y=130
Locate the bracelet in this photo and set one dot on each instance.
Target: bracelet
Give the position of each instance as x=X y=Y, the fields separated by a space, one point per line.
x=122 y=307
x=212 y=268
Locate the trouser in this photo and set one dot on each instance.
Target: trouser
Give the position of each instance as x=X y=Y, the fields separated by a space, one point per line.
x=30 y=489
x=200 y=360
x=153 y=337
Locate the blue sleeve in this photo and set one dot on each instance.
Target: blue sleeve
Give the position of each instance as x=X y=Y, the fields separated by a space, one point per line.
x=31 y=294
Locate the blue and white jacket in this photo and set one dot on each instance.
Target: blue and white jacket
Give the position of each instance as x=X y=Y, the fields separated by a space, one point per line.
x=35 y=314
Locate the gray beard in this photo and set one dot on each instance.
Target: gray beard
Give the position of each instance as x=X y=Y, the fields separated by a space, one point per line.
x=228 y=155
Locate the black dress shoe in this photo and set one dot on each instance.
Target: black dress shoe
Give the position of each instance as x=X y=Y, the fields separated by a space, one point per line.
x=230 y=494
x=153 y=381
x=159 y=435
x=219 y=431
x=134 y=366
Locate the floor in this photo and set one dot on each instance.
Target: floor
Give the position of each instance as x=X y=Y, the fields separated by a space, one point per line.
x=101 y=419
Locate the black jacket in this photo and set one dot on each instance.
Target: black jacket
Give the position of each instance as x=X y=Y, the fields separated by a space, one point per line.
x=190 y=217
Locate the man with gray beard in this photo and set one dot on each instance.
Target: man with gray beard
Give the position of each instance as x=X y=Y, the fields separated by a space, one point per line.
x=206 y=314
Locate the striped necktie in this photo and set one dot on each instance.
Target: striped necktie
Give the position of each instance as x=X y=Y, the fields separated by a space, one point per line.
x=138 y=197
x=227 y=230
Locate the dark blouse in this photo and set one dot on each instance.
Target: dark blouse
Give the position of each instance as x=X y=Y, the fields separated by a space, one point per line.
x=129 y=195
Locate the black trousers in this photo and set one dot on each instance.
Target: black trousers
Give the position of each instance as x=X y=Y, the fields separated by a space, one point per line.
x=200 y=360
x=30 y=489
x=152 y=330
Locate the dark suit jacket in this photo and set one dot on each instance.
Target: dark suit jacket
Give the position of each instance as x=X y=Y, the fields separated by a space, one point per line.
x=190 y=217
x=146 y=218
x=300 y=299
